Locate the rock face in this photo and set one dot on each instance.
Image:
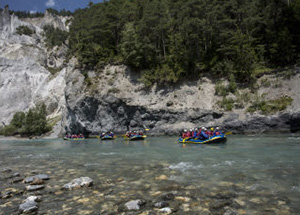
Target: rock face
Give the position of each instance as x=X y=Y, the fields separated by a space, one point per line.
x=114 y=99
x=24 y=77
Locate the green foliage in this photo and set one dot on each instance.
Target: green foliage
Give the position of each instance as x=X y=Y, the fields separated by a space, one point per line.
x=270 y=106
x=26 y=14
x=54 y=36
x=23 y=29
x=226 y=103
x=9 y=130
x=54 y=70
x=62 y=12
x=34 y=122
x=113 y=90
x=18 y=119
x=186 y=39
x=265 y=82
x=221 y=89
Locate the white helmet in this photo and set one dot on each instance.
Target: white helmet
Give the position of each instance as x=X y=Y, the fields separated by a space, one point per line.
x=185 y=130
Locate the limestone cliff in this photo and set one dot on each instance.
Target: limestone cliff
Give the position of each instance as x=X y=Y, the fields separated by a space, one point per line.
x=114 y=99
x=24 y=78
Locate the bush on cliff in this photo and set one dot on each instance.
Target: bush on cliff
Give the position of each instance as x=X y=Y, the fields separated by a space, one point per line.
x=34 y=122
x=24 y=30
x=54 y=36
x=270 y=106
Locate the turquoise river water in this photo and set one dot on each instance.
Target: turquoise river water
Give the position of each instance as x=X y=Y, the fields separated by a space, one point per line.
x=246 y=175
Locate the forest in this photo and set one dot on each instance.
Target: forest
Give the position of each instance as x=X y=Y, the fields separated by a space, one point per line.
x=170 y=40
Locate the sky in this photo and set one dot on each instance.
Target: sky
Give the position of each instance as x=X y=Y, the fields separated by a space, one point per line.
x=41 y=5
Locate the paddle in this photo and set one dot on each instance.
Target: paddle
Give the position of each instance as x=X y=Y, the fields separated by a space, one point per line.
x=227 y=133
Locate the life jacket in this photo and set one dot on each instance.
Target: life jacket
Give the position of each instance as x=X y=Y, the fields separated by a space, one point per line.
x=188 y=134
x=199 y=132
x=217 y=133
x=203 y=135
x=195 y=134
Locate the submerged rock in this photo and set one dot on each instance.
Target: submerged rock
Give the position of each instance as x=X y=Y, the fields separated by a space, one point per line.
x=134 y=205
x=6 y=195
x=16 y=180
x=168 y=196
x=166 y=210
x=6 y=170
x=36 y=177
x=29 y=205
x=34 y=187
x=162 y=204
x=37 y=181
x=78 y=183
x=16 y=174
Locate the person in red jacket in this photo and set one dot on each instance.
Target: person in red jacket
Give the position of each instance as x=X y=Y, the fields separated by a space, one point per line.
x=217 y=132
x=184 y=133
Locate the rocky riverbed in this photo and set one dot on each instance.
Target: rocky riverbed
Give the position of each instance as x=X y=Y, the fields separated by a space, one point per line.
x=153 y=177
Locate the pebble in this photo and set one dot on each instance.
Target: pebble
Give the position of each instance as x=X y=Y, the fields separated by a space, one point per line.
x=6 y=170
x=161 y=177
x=240 y=202
x=162 y=204
x=29 y=205
x=16 y=174
x=34 y=187
x=77 y=183
x=16 y=180
x=166 y=210
x=168 y=196
x=39 y=176
x=134 y=204
x=37 y=181
x=183 y=199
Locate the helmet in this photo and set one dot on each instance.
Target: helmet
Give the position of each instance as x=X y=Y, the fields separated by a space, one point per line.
x=217 y=128
x=203 y=128
x=212 y=129
x=185 y=130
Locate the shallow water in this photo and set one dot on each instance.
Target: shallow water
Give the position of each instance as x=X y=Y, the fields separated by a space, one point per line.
x=246 y=175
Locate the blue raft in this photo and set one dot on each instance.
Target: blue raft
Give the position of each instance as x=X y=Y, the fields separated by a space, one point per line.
x=135 y=137
x=211 y=140
x=107 y=137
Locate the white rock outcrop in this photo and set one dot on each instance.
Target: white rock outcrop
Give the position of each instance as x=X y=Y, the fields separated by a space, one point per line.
x=25 y=80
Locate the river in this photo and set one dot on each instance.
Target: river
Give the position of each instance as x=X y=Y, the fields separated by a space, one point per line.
x=257 y=174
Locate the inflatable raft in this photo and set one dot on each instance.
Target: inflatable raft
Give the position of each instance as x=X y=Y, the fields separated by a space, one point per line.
x=135 y=137
x=107 y=137
x=212 y=140
x=80 y=138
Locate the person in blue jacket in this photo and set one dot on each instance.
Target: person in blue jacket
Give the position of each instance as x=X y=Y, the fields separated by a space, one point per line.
x=217 y=132
x=203 y=135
